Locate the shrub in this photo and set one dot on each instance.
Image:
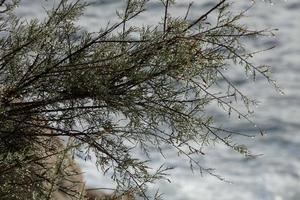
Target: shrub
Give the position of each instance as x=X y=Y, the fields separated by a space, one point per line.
x=115 y=91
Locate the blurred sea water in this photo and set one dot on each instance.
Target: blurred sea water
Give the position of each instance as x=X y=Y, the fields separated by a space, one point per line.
x=275 y=175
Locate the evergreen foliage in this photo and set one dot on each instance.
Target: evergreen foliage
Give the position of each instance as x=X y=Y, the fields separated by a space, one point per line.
x=113 y=92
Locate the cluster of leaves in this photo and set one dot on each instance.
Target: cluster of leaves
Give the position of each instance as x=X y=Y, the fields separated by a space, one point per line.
x=117 y=90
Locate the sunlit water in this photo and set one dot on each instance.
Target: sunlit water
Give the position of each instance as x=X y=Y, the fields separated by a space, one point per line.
x=276 y=174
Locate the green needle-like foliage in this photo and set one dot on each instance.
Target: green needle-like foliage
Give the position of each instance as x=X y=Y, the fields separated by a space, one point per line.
x=113 y=92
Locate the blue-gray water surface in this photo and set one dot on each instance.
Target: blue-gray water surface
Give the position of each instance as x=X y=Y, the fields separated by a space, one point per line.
x=275 y=175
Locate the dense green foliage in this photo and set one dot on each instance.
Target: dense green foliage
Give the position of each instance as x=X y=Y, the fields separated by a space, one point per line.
x=114 y=91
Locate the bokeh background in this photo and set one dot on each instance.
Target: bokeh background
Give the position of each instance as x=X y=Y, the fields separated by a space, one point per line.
x=275 y=174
